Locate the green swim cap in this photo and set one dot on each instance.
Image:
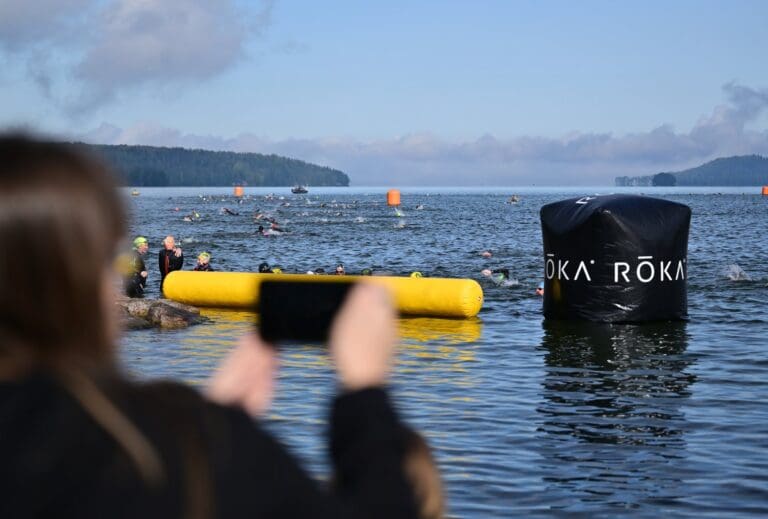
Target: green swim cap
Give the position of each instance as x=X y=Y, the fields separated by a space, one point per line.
x=206 y=255
x=416 y=274
x=139 y=241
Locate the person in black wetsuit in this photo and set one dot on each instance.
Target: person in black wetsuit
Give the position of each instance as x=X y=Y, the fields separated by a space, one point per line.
x=170 y=258
x=136 y=279
x=203 y=262
x=81 y=439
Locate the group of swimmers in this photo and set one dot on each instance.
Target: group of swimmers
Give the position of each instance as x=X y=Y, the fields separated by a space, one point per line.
x=171 y=258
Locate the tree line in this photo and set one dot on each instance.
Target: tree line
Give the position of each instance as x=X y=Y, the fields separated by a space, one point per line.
x=743 y=170
x=156 y=166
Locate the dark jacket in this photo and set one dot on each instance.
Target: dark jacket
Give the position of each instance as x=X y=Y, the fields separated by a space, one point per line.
x=58 y=462
x=203 y=268
x=168 y=262
x=134 y=283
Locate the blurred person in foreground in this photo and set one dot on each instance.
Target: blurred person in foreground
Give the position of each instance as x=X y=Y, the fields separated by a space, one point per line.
x=80 y=439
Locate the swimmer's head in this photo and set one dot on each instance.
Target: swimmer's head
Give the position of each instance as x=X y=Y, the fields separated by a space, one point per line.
x=204 y=257
x=264 y=268
x=540 y=289
x=340 y=270
x=366 y=272
x=486 y=254
x=486 y=272
x=416 y=274
x=277 y=270
x=141 y=244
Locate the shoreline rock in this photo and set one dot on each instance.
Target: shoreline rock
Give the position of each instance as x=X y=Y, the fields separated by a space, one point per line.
x=139 y=314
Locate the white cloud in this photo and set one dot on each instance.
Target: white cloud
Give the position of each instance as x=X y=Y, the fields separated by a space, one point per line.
x=25 y=23
x=583 y=158
x=109 y=46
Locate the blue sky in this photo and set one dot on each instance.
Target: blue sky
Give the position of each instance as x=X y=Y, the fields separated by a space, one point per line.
x=430 y=93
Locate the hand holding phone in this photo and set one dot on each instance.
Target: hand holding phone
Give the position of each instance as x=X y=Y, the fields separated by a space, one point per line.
x=293 y=311
x=364 y=336
x=358 y=320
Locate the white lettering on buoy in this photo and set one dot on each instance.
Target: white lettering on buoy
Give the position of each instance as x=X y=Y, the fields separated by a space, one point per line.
x=646 y=270
x=583 y=268
x=550 y=267
x=616 y=266
x=680 y=271
x=664 y=270
x=647 y=265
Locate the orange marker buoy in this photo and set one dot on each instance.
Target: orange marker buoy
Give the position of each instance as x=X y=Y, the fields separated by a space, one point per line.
x=393 y=197
x=765 y=190
x=238 y=191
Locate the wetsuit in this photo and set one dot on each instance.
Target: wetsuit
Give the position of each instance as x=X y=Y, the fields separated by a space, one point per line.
x=134 y=283
x=168 y=262
x=203 y=268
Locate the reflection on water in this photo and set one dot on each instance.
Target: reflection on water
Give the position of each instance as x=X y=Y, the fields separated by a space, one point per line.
x=611 y=408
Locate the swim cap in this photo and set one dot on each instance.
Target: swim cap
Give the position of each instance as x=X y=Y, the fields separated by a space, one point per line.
x=204 y=255
x=276 y=271
x=366 y=272
x=139 y=241
x=264 y=267
x=416 y=274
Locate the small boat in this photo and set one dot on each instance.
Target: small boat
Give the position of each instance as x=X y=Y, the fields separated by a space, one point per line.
x=135 y=192
x=299 y=190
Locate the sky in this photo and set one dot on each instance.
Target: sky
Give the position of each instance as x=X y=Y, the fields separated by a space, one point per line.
x=488 y=93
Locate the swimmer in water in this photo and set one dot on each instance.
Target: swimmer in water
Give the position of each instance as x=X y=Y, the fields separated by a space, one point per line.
x=204 y=262
x=340 y=270
x=540 y=289
x=499 y=276
x=264 y=268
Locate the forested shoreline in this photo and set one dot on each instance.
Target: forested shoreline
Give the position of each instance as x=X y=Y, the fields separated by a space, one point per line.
x=744 y=170
x=157 y=166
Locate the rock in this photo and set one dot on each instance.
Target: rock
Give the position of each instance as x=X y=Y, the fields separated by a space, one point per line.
x=135 y=323
x=172 y=316
x=147 y=313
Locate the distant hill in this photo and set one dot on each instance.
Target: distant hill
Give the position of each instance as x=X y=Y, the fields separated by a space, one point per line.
x=745 y=170
x=155 y=166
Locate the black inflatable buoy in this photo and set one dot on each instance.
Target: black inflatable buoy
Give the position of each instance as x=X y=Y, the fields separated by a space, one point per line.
x=616 y=258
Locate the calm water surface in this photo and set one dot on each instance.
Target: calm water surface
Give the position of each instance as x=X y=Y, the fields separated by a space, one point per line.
x=528 y=418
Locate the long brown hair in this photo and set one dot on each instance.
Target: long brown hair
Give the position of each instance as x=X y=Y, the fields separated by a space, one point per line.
x=424 y=476
x=60 y=221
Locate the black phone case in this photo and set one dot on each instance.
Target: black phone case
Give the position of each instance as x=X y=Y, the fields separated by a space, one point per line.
x=296 y=311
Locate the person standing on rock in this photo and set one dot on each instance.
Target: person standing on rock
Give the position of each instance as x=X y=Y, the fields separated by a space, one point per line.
x=136 y=279
x=170 y=258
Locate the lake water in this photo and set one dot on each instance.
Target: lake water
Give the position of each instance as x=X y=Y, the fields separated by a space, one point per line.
x=528 y=418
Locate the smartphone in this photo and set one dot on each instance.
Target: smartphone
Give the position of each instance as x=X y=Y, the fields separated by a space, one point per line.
x=299 y=311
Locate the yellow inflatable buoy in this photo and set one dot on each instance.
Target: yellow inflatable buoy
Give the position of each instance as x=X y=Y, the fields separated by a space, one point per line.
x=426 y=297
